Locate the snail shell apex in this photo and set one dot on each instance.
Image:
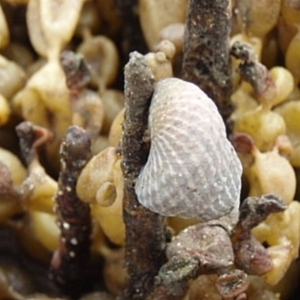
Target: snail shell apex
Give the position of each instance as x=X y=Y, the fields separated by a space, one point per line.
x=192 y=169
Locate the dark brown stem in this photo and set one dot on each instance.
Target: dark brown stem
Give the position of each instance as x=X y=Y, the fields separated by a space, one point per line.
x=31 y=137
x=85 y=103
x=206 y=60
x=254 y=72
x=250 y=255
x=76 y=70
x=69 y=263
x=145 y=230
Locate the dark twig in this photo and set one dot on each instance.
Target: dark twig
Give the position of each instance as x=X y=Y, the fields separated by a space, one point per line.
x=250 y=255
x=254 y=72
x=69 y=263
x=76 y=70
x=206 y=60
x=31 y=137
x=145 y=230
x=85 y=103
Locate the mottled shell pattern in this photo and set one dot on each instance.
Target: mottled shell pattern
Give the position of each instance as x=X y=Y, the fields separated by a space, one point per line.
x=192 y=169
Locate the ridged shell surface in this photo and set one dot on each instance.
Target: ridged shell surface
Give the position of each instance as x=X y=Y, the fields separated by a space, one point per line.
x=192 y=169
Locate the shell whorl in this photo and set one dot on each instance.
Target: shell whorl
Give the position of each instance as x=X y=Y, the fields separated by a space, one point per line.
x=192 y=169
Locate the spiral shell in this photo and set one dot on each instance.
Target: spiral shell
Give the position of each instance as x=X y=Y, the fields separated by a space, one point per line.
x=192 y=169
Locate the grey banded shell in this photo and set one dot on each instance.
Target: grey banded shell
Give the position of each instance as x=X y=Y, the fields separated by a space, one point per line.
x=192 y=169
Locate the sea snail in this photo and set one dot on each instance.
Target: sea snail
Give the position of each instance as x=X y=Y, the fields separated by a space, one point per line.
x=192 y=169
